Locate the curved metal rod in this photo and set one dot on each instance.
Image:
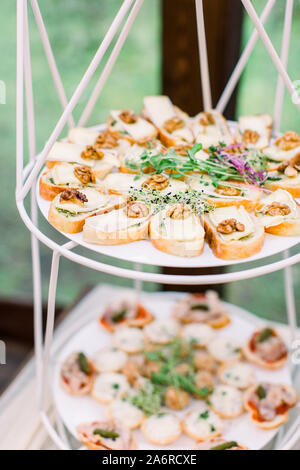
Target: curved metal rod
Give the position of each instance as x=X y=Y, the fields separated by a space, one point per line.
x=154 y=277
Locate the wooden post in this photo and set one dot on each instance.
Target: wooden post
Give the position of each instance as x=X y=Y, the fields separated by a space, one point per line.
x=181 y=69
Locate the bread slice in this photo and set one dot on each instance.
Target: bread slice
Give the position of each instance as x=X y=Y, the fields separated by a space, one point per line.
x=226 y=193
x=252 y=355
x=227 y=401
x=211 y=128
x=182 y=236
x=285 y=148
x=124 y=440
x=172 y=123
x=69 y=210
x=125 y=124
x=105 y=162
x=162 y=428
x=254 y=131
x=63 y=176
x=279 y=418
x=236 y=245
x=119 y=226
x=290 y=184
x=279 y=214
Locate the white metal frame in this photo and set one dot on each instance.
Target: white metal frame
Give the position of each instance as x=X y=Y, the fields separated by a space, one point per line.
x=26 y=174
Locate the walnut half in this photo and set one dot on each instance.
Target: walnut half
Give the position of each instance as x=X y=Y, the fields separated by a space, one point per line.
x=250 y=137
x=229 y=226
x=158 y=182
x=288 y=141
x=73 y=196
x=84 y=174
x=207 y=119
x=128 y=116
x=91 y=153
x=136 y=209
x=179 y=212
x=106 y=140
x=173 y=124
x=276 y=208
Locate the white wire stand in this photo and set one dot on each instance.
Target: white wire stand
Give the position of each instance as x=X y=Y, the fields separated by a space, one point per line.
x=26 y=174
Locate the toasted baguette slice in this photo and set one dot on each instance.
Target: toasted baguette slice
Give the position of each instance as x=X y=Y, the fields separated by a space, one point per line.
x=68 y=213
x=236 y=245
x=161 y=111
x=285 y=148
x=279 y=419
x=182 y=236
x=128 y=125
x=94 y=441
x=62 y=177
x=258 y=348
x=103 y=140
x=130 y=160
x=118 y=227
x=162 y=428
x=279 y=214
x=254 y=131
x=226 y=401
x=72 y=153
x=210 y=128
x=290 y=184
x=227 y=193
x=72 y=379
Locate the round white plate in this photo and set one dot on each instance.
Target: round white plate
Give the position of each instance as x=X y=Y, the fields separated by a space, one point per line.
x=90 y=337
x=145 y=253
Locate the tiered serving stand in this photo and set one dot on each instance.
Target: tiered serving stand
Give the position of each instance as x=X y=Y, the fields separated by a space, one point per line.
x=27 y=179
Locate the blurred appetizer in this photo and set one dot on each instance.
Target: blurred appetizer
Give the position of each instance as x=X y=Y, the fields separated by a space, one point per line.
x=225 y=349
x=109 y=386
x=106 y=435
x=219 y=444
x=279 y=214
x=162 y=428
x=125 y=225
x=125 y=413
x=226 y=193
x=97 y=139
x=125 y=311
x=199 y=335
x=254 y=131
x=172 y=123
x=210 y=128
x=162 y=331
x=237 y=374
x=131 y=161
x=202 y=423
x=101 y=161
x=201 y=308
x=226 y=401
x=232 y=233
x=129 y=339
x=176 y=230
x=269 y=404
x=127 y=124
x=286 y=176
x=77 y=374
x=109 y=359
x=70 y=209
x=266 y=349
x=67 y=176
x=284 y=149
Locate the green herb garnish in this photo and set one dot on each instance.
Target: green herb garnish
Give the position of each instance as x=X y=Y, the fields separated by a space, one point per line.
x=119 y=315
x=225 y=446
x=106 y=433
x=83 y=363
x=200 y=307
x=261 y=392
x=264 y=335
x=204 y=415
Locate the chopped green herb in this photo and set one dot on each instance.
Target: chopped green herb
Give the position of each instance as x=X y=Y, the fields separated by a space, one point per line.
x=204 y=415
x=106 y=433
x=119 y=316
x=261 y=392
x=83 y=363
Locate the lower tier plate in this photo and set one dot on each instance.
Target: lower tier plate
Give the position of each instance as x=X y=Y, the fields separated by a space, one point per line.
x=89 y=336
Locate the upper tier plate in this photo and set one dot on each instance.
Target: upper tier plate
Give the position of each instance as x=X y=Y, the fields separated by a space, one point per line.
x=144 y=252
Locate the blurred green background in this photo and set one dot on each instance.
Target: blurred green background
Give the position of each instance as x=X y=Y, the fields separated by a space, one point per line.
x=75 y=28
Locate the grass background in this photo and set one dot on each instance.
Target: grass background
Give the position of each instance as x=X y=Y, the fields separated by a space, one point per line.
x=75 y=28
